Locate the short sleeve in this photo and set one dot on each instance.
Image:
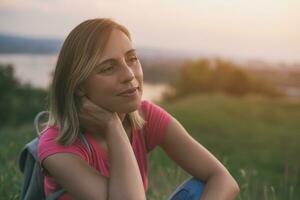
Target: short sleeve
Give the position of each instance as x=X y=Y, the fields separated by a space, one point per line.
x=48 y=146
x=157 y=120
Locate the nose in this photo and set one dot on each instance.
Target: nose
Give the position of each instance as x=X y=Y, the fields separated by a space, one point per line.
x=127 y=73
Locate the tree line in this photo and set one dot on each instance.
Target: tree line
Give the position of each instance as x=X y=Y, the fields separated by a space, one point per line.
x=218 y=75
x=19 y=103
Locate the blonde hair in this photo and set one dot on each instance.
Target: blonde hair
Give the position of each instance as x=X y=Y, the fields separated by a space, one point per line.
x=77 y=59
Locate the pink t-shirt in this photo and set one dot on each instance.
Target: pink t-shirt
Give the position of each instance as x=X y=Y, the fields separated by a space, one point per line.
x=153 y=131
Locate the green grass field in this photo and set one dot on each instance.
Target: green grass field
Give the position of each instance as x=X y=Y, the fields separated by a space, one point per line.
x=256 y=138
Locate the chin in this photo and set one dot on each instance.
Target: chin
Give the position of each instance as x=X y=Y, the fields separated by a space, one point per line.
x=130 y=106
x=126 y=106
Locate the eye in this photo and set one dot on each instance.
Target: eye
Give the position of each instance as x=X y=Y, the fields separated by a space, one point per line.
x=133 y=59
x=106 y=69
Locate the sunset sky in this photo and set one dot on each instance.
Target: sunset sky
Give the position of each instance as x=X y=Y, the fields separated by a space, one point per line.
x=256 y=29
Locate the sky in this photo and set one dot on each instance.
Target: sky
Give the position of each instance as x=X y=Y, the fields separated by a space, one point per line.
x=256 y=29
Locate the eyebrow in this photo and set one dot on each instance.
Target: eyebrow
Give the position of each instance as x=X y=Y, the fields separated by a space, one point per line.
x=113 y=59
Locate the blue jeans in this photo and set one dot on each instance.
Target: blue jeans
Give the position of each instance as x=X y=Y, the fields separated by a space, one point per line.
x=190 y=189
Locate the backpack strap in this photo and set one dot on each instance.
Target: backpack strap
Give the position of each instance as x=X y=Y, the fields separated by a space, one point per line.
x=30 y=147
x=36 y=121
x=32 y=180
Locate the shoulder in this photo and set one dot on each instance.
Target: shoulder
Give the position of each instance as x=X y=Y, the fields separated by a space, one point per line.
x=144 y=105
x=150 y=108
x=157 y=120
x=154 y=113
x=48 y=136
x=48 y=145
x=50 y=132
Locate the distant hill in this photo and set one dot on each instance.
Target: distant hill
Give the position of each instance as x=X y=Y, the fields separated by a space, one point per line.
x=18 y=44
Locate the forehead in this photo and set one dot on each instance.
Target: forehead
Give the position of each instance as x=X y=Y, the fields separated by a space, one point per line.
x=117 y=45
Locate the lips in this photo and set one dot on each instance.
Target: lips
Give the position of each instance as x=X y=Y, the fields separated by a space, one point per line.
x=128 y=91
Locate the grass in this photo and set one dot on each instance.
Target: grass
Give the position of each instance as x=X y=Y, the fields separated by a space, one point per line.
x=256 y=138
x=11 y=143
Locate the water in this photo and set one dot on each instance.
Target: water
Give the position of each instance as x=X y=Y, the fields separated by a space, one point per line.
x=37 y=69
x=33 y=69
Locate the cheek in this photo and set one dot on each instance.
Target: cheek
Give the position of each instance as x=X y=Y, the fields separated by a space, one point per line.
x=97 y=88
x=102 y=96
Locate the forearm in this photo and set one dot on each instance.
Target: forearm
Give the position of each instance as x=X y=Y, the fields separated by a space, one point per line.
x=125 y=181
x=221 y=187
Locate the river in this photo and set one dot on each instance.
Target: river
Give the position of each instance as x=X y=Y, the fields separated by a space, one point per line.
x=36 y=70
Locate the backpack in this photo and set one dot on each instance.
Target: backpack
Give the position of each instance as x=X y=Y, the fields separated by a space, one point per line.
x=33 y=179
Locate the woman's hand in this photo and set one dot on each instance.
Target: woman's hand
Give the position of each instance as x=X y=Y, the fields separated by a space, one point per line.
x=96 y=119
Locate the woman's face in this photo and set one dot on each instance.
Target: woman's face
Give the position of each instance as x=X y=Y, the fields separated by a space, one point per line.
x=118 y=70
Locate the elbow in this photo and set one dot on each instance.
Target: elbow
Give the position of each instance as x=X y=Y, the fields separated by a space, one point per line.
x=236 y=187
x=230 y=182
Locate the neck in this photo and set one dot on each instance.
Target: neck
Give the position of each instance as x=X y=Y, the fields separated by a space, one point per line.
x=122 y=116
x=125 y=122
x=127 y=125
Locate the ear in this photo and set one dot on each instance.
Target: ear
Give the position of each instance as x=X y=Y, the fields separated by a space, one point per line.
x=80 y=92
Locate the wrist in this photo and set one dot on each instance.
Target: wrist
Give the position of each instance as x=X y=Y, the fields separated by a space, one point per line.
x=113 y=123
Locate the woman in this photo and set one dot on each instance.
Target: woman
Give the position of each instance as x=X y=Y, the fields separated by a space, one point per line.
x=97 y=92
